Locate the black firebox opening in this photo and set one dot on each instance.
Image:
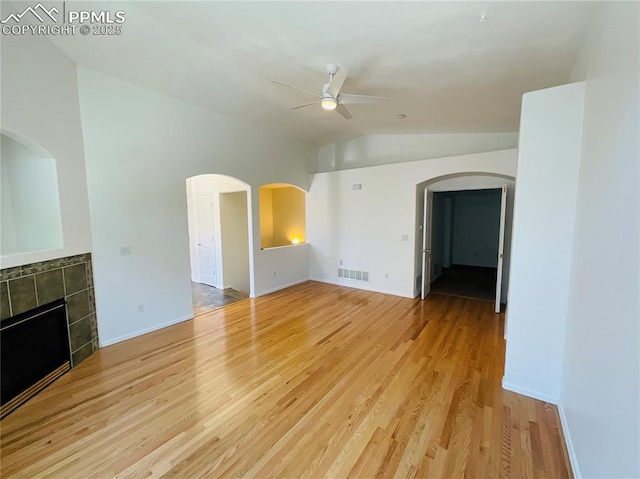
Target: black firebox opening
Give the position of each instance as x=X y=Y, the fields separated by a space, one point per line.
x=32 y=345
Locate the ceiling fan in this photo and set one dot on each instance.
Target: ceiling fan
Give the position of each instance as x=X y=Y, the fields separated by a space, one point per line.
x=331 y=98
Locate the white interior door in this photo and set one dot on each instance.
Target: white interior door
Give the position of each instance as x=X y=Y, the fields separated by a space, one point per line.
x=503 y=214
x=426 y=243
x=205 y=238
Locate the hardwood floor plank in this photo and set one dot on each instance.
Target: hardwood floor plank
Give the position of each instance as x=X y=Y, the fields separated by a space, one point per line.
x=313 y=381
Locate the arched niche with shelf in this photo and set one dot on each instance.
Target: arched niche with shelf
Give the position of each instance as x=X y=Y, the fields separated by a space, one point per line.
x=30 y=203
x=282 y=215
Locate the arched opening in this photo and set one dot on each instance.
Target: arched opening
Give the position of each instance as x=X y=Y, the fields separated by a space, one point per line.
x=463 y=235
x=219 y=222
x=30 y=216
x=282 y=215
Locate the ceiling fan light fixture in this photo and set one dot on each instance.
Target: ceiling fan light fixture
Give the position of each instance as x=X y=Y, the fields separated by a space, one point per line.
x=329 y=103
x=330 y=98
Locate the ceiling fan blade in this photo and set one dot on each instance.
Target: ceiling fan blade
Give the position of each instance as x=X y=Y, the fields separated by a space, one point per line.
x=306 y=104
x=351 y=99
x=296 y=88
x=337 y=81
x=344 y=112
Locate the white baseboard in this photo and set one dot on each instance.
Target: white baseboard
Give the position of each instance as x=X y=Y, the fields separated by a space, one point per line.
x=529 y=392
x=278 y=288
x=124 y=337
x=573 y=459
x=357 y=285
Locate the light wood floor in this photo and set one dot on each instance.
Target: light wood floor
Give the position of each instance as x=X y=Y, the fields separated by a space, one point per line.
x=314 y=381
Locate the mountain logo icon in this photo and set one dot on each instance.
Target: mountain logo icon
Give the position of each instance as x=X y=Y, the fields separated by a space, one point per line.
x=39 y=11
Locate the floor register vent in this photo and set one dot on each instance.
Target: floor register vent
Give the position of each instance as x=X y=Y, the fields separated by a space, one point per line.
x=353 y=274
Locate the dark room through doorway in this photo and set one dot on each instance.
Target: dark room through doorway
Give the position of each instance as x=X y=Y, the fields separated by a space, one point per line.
x=465 y=234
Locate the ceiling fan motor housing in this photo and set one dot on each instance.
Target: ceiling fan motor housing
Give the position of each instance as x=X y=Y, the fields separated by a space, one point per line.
x=332 y=69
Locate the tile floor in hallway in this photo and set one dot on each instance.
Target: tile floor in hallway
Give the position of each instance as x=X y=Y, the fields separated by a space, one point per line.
x=207 y=298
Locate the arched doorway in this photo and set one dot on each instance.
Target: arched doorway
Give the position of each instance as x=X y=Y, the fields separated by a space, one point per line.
x=219 y=222
x=465 y=251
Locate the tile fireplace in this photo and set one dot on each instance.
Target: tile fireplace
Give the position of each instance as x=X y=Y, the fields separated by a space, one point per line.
x=49 y=308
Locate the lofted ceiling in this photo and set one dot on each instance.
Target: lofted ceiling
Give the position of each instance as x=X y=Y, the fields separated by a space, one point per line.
x=438 y=63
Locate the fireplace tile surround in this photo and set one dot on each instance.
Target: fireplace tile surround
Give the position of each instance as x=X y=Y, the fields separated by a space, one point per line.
x=25 y=287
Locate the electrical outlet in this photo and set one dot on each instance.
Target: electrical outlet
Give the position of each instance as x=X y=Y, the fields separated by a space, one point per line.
x=405 y=237
x=125 y=250
x=386 y=276
x=141 y=308
x=274 y=274
x=341 y=262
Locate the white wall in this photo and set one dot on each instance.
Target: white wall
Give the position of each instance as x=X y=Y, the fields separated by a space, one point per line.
x=364 y=228
x=40 y=104
x=7 y=220
x=542 y=239
x=600 y=380
x=192 y=228
x=372 y=150
x=140 y=147
x=234 y=233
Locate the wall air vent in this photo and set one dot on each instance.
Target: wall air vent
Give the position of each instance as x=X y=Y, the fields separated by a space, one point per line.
x=353 y=274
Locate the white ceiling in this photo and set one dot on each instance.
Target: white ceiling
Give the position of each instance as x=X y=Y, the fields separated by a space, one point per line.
x=440 y=65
